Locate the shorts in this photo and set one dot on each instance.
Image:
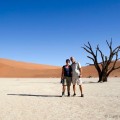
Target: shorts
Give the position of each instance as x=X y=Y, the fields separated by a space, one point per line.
x=76 y=80
x=67 y=81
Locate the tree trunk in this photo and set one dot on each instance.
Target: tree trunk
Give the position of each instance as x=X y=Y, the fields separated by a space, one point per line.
x=103 y=77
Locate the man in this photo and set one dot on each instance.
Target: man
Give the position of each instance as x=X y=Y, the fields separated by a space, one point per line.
x=66 y=77
x=76 y=76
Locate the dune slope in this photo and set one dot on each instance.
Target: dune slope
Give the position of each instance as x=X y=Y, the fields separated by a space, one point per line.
x=11 y=68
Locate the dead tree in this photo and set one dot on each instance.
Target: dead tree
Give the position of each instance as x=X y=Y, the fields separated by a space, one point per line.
x=105 y=67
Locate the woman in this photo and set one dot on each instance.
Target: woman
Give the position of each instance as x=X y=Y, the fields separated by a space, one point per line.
x=66 y=77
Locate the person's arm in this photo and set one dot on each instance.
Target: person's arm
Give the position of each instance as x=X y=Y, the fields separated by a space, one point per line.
x=80 y=72
x=62 y=75
x=80 y=69
x=71 y=70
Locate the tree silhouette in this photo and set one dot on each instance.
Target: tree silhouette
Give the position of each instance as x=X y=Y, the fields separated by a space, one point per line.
x=105 y=67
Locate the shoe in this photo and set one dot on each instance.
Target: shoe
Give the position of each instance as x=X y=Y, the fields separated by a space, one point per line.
x=82 y=95
x=74 y=94
x=68 y=94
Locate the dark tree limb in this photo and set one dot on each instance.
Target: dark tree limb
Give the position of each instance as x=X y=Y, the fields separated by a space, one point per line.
x=107 y=67
x=102 y=56
x=88 y=48
x=91 y=58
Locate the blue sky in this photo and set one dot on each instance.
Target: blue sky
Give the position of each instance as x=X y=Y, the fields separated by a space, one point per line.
x=49 y=31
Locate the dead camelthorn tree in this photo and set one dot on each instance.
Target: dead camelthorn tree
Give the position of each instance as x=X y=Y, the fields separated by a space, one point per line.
x=105 y=67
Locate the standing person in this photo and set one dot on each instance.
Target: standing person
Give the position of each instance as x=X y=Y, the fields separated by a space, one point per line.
x=76 y=76
x=66 y=77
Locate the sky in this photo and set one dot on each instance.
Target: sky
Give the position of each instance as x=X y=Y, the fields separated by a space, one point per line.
x=50 y=31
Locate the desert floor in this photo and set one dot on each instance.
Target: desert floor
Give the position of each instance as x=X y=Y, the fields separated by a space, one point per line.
x=40 y=99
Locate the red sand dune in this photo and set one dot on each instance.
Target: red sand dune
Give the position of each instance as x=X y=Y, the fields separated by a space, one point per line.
x=90 y=71
x=11 y=68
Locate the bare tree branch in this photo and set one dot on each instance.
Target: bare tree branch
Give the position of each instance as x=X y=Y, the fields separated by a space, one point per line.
x=114 y=64
x=107 y=67
x=114 y=51
x=91 y=58
x=87 y=46
x=102 y=56
x=109 y=44
x=87 y=50
x=116 y=68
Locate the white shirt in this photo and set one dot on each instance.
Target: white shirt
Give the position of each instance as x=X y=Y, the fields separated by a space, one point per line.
x=75 y=69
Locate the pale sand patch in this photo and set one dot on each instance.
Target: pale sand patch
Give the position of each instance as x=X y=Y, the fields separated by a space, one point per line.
x=39 y=99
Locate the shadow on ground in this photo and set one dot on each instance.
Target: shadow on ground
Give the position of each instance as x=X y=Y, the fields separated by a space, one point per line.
x=34 y=95
x=90 y=82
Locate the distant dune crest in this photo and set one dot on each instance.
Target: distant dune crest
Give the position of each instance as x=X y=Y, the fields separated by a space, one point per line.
x=11 y=68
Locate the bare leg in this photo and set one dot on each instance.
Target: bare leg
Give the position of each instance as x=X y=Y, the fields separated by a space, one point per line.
x=74 y=89
x=81 y=90
x=68 y=89
x=63 y=89
x=80 y=86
